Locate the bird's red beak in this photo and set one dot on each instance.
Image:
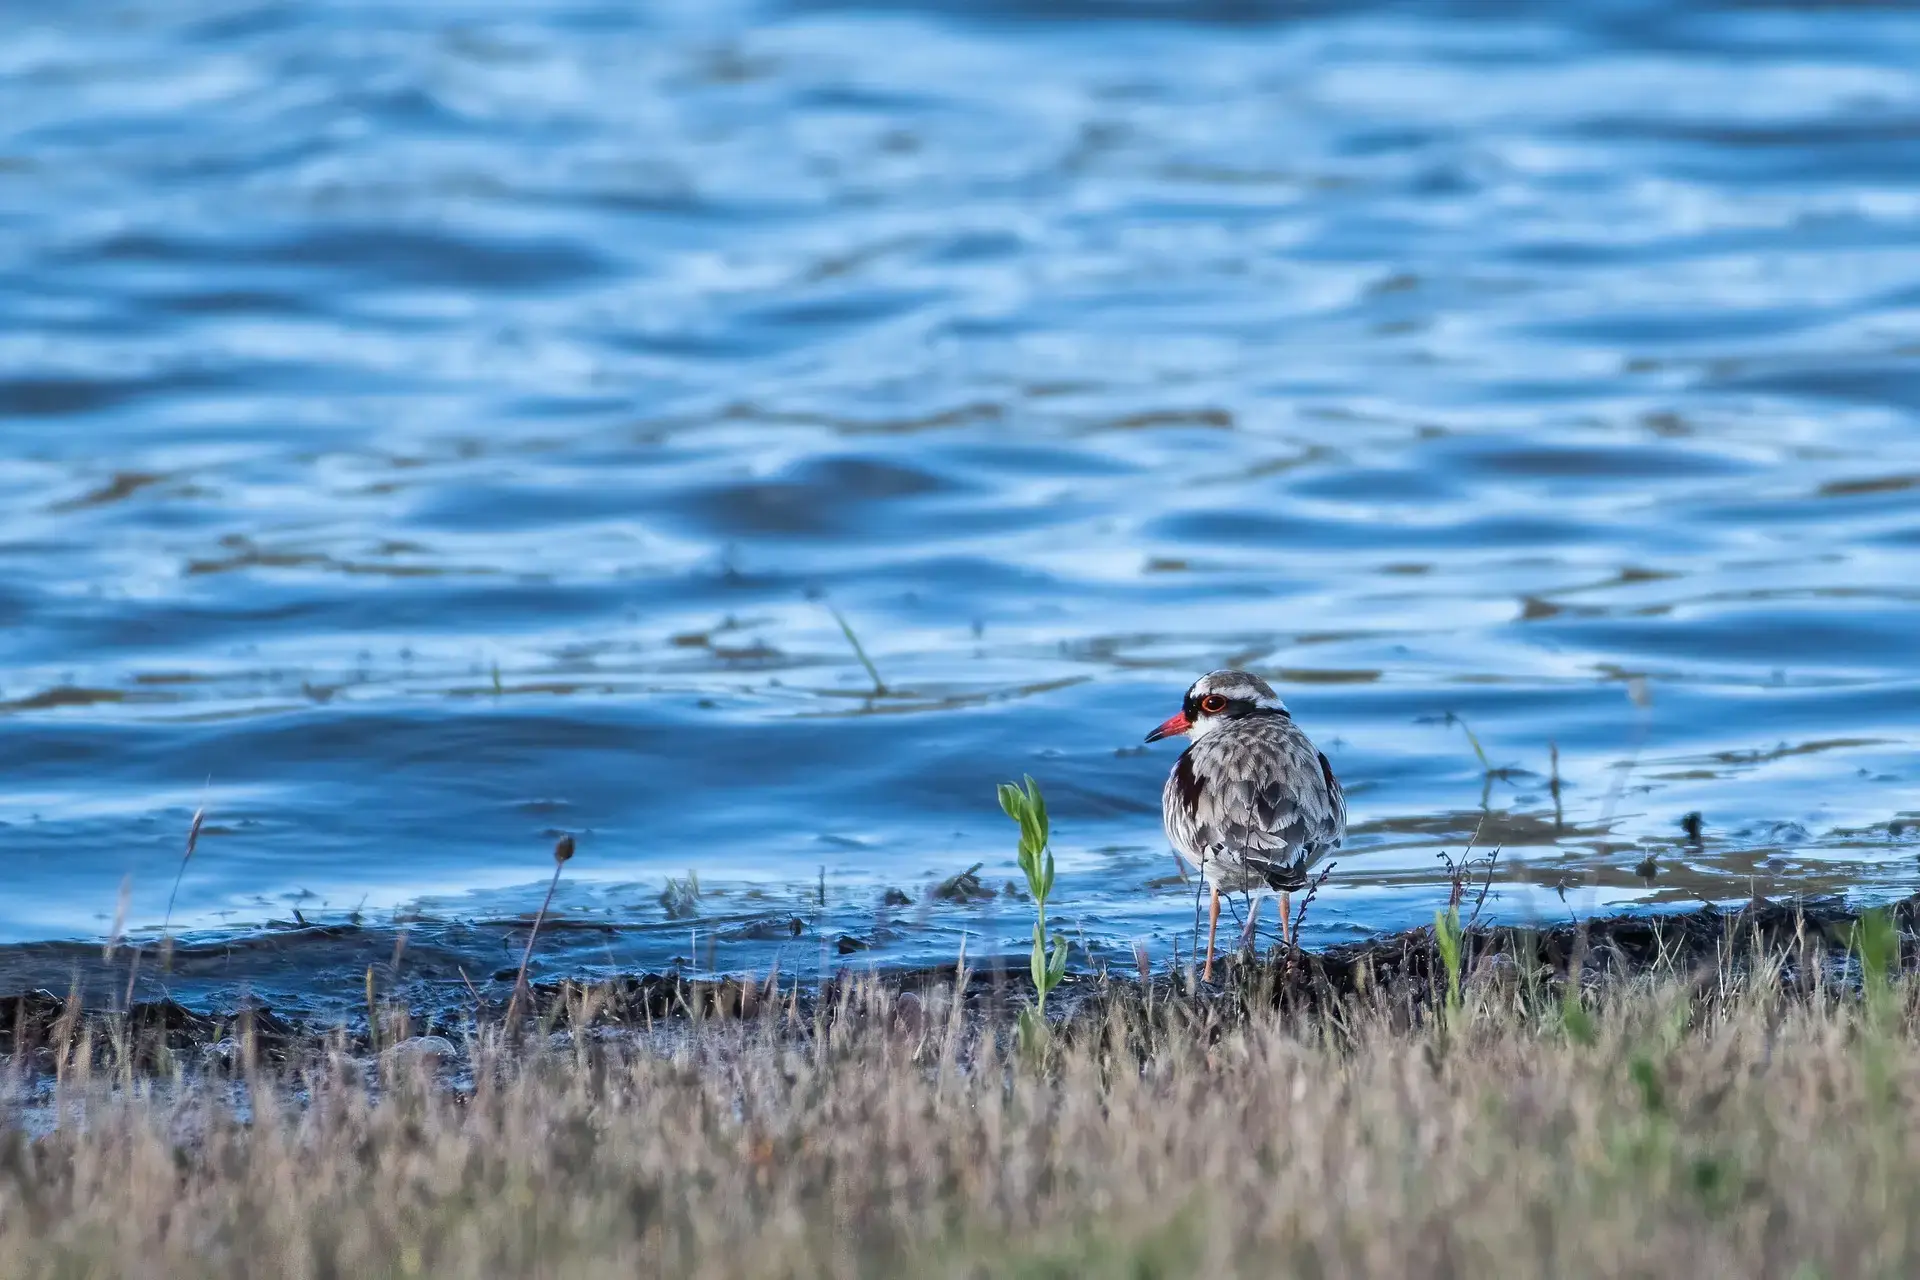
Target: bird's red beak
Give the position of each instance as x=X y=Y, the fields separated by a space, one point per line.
x=1177 y=723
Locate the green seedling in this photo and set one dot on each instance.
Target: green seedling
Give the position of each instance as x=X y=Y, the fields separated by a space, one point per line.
x=1876 y=944
x=1450 y=938
x=1049 y=960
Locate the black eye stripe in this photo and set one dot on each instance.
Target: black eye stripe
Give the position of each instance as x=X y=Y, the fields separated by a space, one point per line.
x=1241 y=702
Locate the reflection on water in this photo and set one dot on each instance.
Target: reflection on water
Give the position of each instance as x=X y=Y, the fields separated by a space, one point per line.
x=426 y=433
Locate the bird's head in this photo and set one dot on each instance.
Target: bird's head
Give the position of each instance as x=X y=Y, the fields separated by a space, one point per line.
x=1214 y=699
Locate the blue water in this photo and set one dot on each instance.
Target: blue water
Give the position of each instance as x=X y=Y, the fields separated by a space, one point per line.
x=427 y=430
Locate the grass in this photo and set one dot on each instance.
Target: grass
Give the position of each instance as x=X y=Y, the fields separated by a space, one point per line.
x=1758 y=1116
x=859 y=651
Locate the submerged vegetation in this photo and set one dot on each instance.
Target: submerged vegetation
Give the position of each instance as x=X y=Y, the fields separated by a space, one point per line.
x=1731 y=1095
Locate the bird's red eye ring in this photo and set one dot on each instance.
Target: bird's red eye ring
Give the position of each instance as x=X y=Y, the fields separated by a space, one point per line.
x=1213 y=704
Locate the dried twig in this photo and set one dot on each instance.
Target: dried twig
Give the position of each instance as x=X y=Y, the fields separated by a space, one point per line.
x=119 y=918
x=1485 y=885
x=1460 y=875
x=166 y=925
x=1553 y=785
x=1300 y=916
x=562 y=850
x=1456 y=878
x=471 y=990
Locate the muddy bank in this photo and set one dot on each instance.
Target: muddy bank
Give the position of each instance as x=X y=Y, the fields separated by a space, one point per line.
x=421 y=993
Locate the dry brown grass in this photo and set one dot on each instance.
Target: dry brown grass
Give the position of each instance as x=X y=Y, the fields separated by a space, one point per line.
x=1713 y=1127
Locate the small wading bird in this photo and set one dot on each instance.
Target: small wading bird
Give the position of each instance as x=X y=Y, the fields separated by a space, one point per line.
x=1251 y=802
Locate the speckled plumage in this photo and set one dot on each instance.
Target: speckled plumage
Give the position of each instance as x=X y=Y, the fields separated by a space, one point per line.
x=1251 y=802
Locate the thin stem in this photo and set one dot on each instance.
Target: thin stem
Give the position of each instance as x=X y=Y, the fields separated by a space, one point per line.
x=193 y=838
x=166 y=924
x=520 y=979
x=1300 y=917
x=873 y=673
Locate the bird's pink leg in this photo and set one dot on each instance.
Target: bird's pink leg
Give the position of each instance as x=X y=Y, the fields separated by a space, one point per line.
x=1213 y=923
x=1286 y=918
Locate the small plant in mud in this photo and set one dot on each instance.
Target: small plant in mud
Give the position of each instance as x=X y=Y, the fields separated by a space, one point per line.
x=1450 y=938
x=1049 y=962
x=1450 y=935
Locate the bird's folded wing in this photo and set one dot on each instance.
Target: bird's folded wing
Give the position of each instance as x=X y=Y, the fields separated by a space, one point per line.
x=1279 y=810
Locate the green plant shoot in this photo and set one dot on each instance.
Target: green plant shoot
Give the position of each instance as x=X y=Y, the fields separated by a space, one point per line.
x=1449 y=937
x=1574 y=1018
x=1876 y=944
x=1049 y=963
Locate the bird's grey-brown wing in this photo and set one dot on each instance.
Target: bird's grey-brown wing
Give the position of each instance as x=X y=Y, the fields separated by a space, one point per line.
x=1260 y=796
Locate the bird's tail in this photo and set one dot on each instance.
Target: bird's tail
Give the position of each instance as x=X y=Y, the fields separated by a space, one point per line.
x=1285 y=877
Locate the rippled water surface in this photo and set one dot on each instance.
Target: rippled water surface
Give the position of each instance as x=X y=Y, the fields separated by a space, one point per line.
x=424 y=431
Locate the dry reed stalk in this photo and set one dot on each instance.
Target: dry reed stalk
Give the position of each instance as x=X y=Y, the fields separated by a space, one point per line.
x=166 y=925
x=562 y=851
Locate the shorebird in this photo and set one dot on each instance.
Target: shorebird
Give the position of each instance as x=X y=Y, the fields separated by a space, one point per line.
x=1251 y=802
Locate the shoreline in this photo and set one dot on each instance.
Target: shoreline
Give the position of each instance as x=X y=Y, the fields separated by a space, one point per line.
x=40 y=1027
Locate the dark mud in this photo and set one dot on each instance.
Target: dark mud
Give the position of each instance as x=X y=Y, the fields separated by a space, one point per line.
x=421 y=991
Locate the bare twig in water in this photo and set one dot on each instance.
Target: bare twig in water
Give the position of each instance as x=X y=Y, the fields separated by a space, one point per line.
x=1560 y=887
x=562 y=850
x=1640 y=693
x=193 y=840
x=119 y=917
x=1553 y=785
x=873 y=673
